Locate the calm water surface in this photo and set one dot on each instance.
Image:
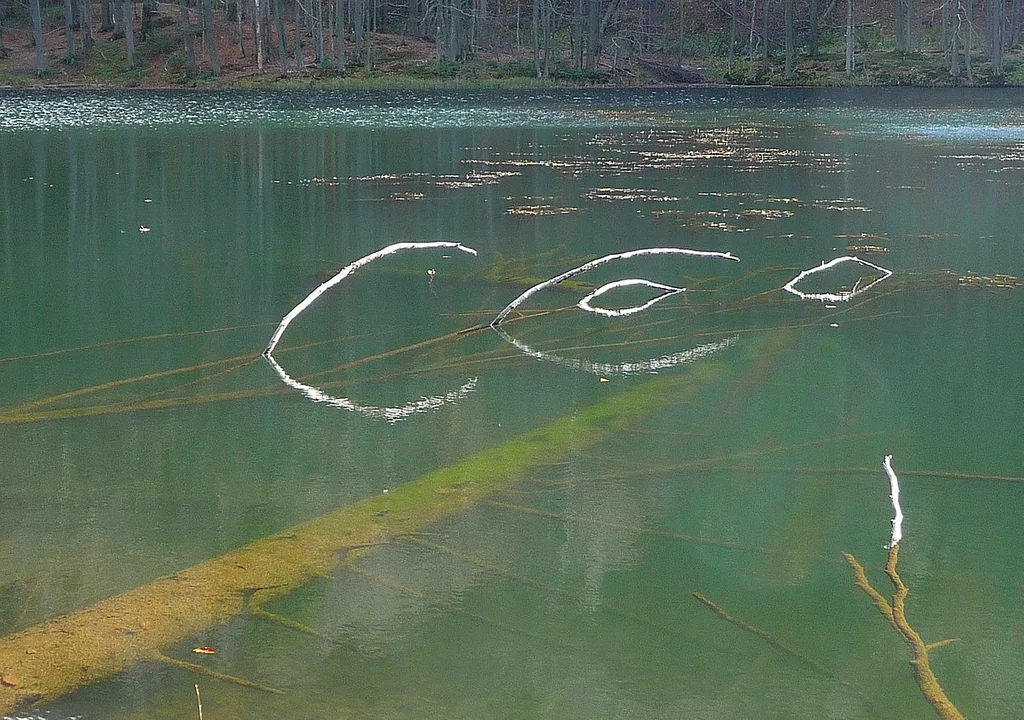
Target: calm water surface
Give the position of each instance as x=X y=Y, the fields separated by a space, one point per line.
x=145 y=237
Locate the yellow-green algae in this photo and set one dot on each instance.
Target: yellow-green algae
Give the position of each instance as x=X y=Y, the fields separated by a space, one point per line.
x=58 y=656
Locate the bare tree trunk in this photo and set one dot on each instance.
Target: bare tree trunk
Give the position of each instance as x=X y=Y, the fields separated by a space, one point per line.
x=118 y=32
x=1015 y=21
x=318 y=36
x=128 y=23
x=339 y=34
x=547 y=37
x=750 y=40
x=282 y=47
x=69 y=32
x=970 y=41
x=764 y=37
x=257 y=25
x=189 y=38
x=107 y=21
x=147 y=17
x=851 y=29
x=732 y=34
x=812 y=33
x=299 y=64
x=211 y=37
x=996 y=29
x=537 y=37
x=37 y=35
x=788 y=75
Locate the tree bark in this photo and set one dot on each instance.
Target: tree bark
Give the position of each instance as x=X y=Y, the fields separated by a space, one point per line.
x=69 y=33
x=147 y=17
x=107 y=21
x=37 y=35
x=257 y=25
x=128 y=24
x=996 y=29
x=812 y=33
x=189 y=39
x=339 y=33
x=851 y=29
x=282 y=47
x=764 y=36
x=789 y=39
x=299 y=64
x=732 y=34
x=536 y=37
x=211 y=37
x=1015 y=21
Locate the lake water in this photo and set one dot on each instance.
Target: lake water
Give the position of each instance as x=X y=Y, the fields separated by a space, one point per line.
x=150 y=244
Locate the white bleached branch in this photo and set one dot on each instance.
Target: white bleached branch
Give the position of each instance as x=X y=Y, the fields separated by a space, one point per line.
x=390 y=414
x=348 y=270
x=894 y=485
x=601 y=261
x=790 y=287
x=584 y=304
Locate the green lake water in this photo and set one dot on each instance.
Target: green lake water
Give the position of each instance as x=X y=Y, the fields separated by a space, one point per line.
x=144 y=237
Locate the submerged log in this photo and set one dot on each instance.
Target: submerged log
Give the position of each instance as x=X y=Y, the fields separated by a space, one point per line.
x=61 y=655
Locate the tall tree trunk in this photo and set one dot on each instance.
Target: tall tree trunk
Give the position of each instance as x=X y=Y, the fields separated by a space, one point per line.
x=732 y=34
x=536 y=37
x=107 y=21
x=851 y=31
x=128 y=23
x=37 y=35
x=299 y=64
x=901 y=26
x=339 y=34
x=789 y=39
x=69 y=33
x=750 y=39
x=318 y=19
x=764 y=36
x=995 y=35
x=282 y=47
x=548 y=9
x=945 y=27
x=211 y=37
x=147 y=17
x=593 y=33
x=85 y=10
x=118 y=32
x=257 y=26
x=189 y=38
x=1015 y=21
x=969 y=45
x=812 y=32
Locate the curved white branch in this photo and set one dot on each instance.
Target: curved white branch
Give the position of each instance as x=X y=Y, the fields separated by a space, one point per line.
x=601 y=261
x=584 y=304
x=390 y=414
x=790 y=287
x=348 y=270
x=894 y=488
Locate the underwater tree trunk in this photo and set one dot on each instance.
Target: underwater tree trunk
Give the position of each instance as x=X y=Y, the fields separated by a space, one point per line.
x=58 y=656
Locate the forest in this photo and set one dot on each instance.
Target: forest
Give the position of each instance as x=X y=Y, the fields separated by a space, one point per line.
x=625 y=42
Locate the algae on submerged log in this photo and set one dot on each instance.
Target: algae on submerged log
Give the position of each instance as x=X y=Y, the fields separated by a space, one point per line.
x=61 y=655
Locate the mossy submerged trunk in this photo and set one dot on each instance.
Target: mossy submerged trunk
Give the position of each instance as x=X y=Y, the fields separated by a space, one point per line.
x=58 y=656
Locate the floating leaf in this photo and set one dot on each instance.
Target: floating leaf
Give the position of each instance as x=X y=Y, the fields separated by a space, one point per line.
x=9 y=681
x=205 y=650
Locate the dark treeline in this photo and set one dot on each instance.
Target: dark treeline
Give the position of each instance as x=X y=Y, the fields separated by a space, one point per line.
x=579 y=39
